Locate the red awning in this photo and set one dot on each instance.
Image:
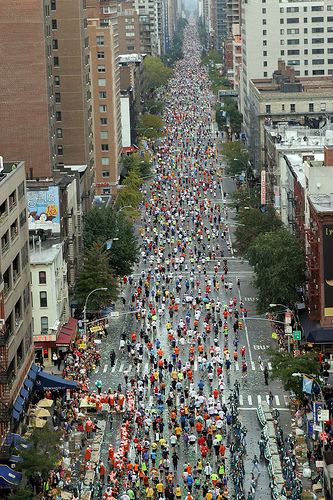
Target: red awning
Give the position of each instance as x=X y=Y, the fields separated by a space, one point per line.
x=67 y=333
x=130 y=149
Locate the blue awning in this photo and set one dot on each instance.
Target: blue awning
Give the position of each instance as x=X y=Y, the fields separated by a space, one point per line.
x=33 y=372
x=15 y=459
x=9 y=477
x=24 y=393
x=19 y=403
x=28 y=383
x=15 y=415
x=48 y=381
x=17 y=441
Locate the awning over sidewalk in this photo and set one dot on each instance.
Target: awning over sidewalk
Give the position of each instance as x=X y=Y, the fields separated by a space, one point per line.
x=33 y=372
x=67 y=333
x=314 y=332
x=19 y=404
x=48 y=381
x=9 y=477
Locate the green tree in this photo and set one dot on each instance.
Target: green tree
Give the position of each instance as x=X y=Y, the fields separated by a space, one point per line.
x=96 y=273
x=236 y=156
x=251 y=223
x=137 y=162
x=284 y=364
x=279 y=264
x=42 y=456
x=156 y=73
x=245 y=197
x=21 y=492
x=150 y=126
x=101 y=225
x=154 y=107
x=129 y=193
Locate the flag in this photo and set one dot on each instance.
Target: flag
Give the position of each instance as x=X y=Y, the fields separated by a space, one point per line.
x=307 y=384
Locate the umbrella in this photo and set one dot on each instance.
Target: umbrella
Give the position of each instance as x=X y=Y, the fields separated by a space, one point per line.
x=42 y=412
x=39 y=423
x=45 y=403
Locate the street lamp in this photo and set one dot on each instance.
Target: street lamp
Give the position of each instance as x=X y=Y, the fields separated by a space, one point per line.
x=103 y=289
x=281 y=305
x=287 y=310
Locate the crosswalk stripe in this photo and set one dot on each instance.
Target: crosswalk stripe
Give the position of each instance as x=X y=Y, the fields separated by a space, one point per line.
x=253 y=365
x=195 y=365
x=259 y=399
x=241 y=400
x=97 y=370
x=269 y=366
x=262 y=367
x=146 y=368
x=286 y=400
x=277 y=400
x=114 y=367
x=105 y=368
x=129 y=369
x=267 y=399
x=121 y=367
x=150 y=401
x=236 y=366
x=249 y=398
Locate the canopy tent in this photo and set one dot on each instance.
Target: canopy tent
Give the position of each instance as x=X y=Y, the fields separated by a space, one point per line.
x=47 y=381
x=45 y=403
x=41 y=413
x=39 y=423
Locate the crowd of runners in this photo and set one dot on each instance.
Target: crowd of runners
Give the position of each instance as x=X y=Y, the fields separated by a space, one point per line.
x=183 y=436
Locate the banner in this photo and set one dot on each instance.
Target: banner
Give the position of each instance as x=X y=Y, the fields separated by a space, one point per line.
x=328 y=268
x=307 y=385
x=263 y=187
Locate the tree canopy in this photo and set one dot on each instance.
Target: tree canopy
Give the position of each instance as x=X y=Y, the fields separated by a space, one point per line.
x=139 y=163
x=106 y=224
x=284 y=364
x=129 y=193
x=279 y=264
x=156 y=73
x=236 y=156
x=96 y=272
x=150 y=126
x=251 y=223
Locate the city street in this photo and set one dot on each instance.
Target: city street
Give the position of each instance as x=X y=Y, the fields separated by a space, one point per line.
x=186 y=234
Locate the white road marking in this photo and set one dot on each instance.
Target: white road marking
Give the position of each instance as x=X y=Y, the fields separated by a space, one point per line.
x=145 y=370
x=253 y=366
x=236 y=365
x=259 y=399
x=114 y=367
x=105 y=368
x=241 y=400
x=269 y=366
x=97 y=369
x=195 y=365
x=129 y=368
x=267 y=399
x=262 y=367
x=249 y=398
x=277 y=400
x=286 y=399
x=121 y=367
x=255 y=409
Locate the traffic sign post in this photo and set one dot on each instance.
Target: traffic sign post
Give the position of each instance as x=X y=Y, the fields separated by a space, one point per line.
x=297 y=335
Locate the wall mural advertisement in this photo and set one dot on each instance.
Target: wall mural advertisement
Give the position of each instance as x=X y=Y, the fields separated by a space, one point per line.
x=328 y=268
x=44 y=209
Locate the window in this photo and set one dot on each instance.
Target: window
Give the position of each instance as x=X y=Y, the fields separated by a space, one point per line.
x=293 y=31
x=59 y=133
x=329 y=61
x=54 y=24
x=330 y=50
x=317 y=8
x=329 y=29
x=292 y=9
x=264 y=21
x=329 y=40
x=330 y=19
x=106 y=191
x=44 y=323
x=281 y=21
x=305 y=62
x=265 y=64
x=305 y=30
x=103 y=121
x=265 y=74
x=293 y=62
x=105 y=173
x=306 y=72
x=100 y=40
x=42 y=277
x=317 y=19
x=292 y=20
x=306 y=51
x=105 y=147
x=264 y=42
x=317 y=51
x=317 y=30
x=100 y=55
x=60 y=150
x=105 y=161
x=292 y=41
x=317 y=40
x=268 y=109
x=311 y=107
x=57 y=80
x=43 y=299
x=57 y=97
x=317 y=62
x=292 y=108
x=103 y=108
x=282 y=52
x=101 y=82
x=101 y=68
x=330 y=7
x=305 y=20
x=104 y=134
x=130 y=34
x=58 y=116
x=56 y=61
x=281 y=10
x=264 y=53
x=102 y=94
x=53 y=4
x=294 y=52
x=55 y=44
x=318 y=72
x=281 y=42
x=323 y=106
x=282 y=107
x=130 y=47
x=264 y=32
x=263 y=11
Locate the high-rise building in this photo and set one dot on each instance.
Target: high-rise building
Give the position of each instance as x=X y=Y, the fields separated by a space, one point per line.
x=301 y=33
x=128 y=29
x=104 y=51
x=16 y=346
x=149 y=35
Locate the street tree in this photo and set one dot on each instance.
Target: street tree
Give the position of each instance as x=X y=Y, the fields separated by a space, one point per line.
x=236 y=156
x=138 y=162
x=21 y=492
x=150 y=126
x=103 y=225
x=245 y=197
x=129 y=192
x=284 y=365
x=43 y=454
x=251 y=223
x=279 y=264
x=96 y=272
x=156 y=73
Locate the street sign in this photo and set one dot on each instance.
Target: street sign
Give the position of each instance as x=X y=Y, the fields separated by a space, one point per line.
x=323 y=415
x=297 y=335
x=114 y=314
x=288 y=329
x=287 y=317
x=319 y=464
x=274 y=335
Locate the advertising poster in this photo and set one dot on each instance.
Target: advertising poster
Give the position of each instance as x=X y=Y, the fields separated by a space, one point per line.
x=44 y=209
x=328 y=268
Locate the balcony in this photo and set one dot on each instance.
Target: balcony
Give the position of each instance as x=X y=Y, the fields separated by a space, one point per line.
x=4 y=336
x=4 y=246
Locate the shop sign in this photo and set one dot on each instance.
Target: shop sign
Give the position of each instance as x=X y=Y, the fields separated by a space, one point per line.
x=45 y=338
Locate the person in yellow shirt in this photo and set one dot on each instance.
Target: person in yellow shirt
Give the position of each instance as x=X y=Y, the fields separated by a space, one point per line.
x=209 y=495
x=178 y=491
x=159 y=487
x=149 y=492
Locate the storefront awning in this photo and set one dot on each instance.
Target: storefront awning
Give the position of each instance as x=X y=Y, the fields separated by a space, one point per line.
x=9 y=477
x=19 y=404
x=17 y=441
x=15 y=415
x=33 y=372
x=314 y=332
x=28 y=383
x=67 y=333
x=24 y=393
x=130 y=149
x=48 y=381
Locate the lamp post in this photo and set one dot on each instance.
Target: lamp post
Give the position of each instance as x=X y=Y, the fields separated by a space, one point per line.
x=286 y=323
x=103 y=289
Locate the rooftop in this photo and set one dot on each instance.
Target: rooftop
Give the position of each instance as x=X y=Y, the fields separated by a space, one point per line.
x=8 y=167
x=308 y=85
x=296 y=162
x=44 y=252
x=296 y=137
x=322 y=202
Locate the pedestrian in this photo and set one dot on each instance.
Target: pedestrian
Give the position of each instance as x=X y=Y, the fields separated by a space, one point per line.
x=112 y=357
x=266 y=374
x=255 y=464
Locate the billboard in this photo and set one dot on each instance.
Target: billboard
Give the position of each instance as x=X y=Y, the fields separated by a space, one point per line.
x=44 y=209
x=328 y=268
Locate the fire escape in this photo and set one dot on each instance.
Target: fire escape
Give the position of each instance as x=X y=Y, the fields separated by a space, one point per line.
x=313 y=278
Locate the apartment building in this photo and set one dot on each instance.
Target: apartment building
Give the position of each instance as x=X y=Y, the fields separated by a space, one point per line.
x=104 y=51
x=149 y=34
x=128 y=29
x=301 y=33
x=16 y=345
